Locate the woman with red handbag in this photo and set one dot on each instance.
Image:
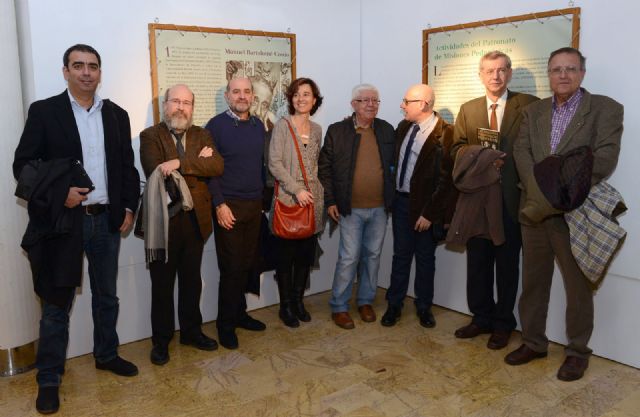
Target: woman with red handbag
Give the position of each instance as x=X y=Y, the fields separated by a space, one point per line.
x=297 y=212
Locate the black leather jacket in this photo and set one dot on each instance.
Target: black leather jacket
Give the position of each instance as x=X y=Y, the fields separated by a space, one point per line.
x=338 y=159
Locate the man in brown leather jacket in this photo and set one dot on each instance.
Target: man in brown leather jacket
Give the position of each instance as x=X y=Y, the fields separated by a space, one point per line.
x=175 y=144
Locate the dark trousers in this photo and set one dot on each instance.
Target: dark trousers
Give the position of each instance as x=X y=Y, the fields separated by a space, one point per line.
x=293 y=263
x=295 y=254
x=101 y=247
x=408 y=243
x=542 y=244
x=185 y=258
x=236 y=251
x=482 y=255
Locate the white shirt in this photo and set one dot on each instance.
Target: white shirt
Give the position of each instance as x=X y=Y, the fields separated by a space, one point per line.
x=426 y=127
x=91 y=133
x=502 y=103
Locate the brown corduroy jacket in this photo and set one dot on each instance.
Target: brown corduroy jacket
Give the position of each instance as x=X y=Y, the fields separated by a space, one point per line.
x=157 y=146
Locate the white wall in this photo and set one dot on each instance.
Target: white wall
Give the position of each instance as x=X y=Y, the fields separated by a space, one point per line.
x=339 y=43
x=19 y=324
x=328 y=53
x=392 y=44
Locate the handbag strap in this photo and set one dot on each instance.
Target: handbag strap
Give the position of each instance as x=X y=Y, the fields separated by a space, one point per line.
x=295 y=143
x=304 y=172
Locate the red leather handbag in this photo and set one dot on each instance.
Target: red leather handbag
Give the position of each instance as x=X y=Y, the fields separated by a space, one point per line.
x=293 y=222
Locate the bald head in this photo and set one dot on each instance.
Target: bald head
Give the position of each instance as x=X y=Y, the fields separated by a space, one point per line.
x=418 y=102
x=179 y=89
x=239 y=82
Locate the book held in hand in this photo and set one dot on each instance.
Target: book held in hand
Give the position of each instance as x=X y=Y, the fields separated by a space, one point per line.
x=489 y=138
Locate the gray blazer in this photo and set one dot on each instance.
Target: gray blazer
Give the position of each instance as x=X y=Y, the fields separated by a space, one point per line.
x=597 y=123
x=284 y=166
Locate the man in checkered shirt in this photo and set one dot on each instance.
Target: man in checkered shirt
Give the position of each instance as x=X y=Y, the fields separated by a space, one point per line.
x=572 y=117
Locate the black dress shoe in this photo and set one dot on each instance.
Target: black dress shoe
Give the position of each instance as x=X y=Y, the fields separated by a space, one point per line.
x=391 y=316
x=287 y=316
x=471 y=330
x=48 y=401
x=300 y=311
x=202 y=342
x=118 y=366
x=524 y=354
x=498 y=339
x=159 y=355
x=228 y=338
x=249 y=323
x=426 y=318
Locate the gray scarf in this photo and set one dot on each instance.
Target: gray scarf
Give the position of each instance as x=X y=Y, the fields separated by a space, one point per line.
x=155 y=216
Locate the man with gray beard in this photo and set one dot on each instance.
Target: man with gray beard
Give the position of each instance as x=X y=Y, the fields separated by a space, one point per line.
x=176 y=145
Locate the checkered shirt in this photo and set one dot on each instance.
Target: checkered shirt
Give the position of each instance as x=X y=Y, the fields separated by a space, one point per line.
x=594 y=232
x=561 y=116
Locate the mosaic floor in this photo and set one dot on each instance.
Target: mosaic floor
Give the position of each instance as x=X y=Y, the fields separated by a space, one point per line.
x=319 y=369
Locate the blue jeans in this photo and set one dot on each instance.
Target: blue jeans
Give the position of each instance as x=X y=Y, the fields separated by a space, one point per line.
x=101 y=247
x=361 y=237
x=406 y=243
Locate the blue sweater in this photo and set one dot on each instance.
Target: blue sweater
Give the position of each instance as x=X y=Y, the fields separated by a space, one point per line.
x=241 y=144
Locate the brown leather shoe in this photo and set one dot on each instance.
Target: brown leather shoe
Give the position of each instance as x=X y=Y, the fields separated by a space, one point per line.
x=470 y=330
x=523 y=355
x=366 y=313
x=343 y=320
x=573 y=368
x=498 y=339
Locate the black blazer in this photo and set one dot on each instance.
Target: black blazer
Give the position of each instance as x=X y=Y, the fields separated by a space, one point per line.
x=51 y=132
x=430 y=197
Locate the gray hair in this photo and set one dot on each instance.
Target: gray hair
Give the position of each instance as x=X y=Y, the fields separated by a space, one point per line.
x=493 y=55
x=358 y=89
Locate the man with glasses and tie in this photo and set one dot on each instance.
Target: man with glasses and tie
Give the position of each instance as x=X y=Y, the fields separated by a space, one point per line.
x=176 y=145
x=494 y=120
x=356 y=171
x=571 y=118
x=422 y=188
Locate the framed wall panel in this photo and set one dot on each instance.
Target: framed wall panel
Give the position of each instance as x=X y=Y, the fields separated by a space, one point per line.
x=206 y=58
x=451 y=54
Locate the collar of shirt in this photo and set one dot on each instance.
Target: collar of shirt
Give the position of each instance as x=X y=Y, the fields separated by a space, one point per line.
x=355 y=123
x=426 y=126
x=177 y=135
x=570 y=104
x=235 y=116
x=97 y=103
x=501 y=102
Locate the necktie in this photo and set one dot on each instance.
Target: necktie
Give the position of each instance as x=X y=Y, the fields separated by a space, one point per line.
x=493 y=122
x=179 y=145
x=407 y=151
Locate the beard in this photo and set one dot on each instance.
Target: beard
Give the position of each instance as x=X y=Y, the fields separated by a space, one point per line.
x=239 y=106
x=178 y=121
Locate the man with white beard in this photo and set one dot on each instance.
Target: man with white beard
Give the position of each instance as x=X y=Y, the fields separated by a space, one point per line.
x=176 y=145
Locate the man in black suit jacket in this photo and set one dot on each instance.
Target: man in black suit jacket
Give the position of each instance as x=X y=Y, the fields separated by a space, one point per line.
x=499 y=110
x=423 y=186
x=78 y=124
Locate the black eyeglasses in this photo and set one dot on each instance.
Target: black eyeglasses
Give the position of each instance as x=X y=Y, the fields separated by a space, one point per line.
x=406 y=102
